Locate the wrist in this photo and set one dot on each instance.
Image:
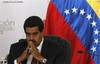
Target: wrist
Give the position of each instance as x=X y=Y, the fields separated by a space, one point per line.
x=44 y=60
x=16 y=62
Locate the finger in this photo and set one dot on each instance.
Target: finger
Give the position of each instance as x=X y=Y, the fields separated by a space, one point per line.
x=30 y=50
x=30 y=42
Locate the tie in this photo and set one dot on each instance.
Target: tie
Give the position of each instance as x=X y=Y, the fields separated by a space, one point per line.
x=34 y=61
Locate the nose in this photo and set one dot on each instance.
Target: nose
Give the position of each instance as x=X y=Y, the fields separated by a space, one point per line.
x=31 y=37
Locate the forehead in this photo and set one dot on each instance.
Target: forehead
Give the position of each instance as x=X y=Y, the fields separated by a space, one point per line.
x=32 y=29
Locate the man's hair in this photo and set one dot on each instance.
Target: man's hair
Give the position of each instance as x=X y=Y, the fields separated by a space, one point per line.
x=34 y=21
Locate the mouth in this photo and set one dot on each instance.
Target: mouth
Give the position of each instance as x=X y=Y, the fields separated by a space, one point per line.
x=33 y=41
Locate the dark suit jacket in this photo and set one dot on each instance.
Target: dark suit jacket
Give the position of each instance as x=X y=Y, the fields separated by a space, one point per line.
x=55 y=49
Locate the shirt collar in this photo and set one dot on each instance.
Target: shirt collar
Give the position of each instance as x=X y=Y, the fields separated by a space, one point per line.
x=40 y=46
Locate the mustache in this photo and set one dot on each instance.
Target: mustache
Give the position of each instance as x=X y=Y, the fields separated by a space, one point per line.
x=33 y=41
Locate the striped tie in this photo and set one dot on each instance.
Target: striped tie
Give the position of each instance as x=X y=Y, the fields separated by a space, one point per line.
x=34 y=61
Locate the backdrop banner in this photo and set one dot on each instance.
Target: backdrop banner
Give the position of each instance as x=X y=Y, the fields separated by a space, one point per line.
x=12 y=16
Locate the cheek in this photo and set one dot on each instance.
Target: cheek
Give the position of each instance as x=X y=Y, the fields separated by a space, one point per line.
x=27 y=38
x=40 y=38
x=37 y=38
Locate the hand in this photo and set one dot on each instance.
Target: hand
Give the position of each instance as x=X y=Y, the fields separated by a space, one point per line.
x=24 y=55
x=34 y=52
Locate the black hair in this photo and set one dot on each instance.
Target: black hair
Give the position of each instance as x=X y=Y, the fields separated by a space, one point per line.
x=33 y=21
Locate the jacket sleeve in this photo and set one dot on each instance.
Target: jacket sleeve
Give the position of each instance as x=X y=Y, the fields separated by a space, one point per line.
x=16 y=50
x=64 y=56
x=61 y=51
x=10 y=58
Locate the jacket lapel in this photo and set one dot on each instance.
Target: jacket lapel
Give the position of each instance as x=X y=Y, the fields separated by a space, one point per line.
x=44 y=50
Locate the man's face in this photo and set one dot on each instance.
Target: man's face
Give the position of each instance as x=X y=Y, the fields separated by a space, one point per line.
x=33 y=34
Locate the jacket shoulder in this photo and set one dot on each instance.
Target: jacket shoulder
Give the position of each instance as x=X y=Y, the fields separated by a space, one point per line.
x=57 y=39
x=21 y=41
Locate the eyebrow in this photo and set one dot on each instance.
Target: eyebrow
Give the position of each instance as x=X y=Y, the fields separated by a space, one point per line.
x=32 y=33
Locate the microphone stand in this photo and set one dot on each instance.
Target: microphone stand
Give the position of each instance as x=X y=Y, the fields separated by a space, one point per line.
x=82 y=52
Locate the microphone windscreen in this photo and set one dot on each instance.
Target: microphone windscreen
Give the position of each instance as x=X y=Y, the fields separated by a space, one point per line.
x=80 y=52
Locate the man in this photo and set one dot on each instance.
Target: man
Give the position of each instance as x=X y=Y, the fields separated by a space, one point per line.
x=43 y=49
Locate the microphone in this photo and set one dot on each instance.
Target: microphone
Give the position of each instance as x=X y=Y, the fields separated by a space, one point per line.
x=82 y=52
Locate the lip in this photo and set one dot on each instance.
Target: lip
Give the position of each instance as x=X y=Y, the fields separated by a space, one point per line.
x=33 y=41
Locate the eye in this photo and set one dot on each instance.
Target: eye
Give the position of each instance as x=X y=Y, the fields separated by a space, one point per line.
x=35 y=33
x=27 y=33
